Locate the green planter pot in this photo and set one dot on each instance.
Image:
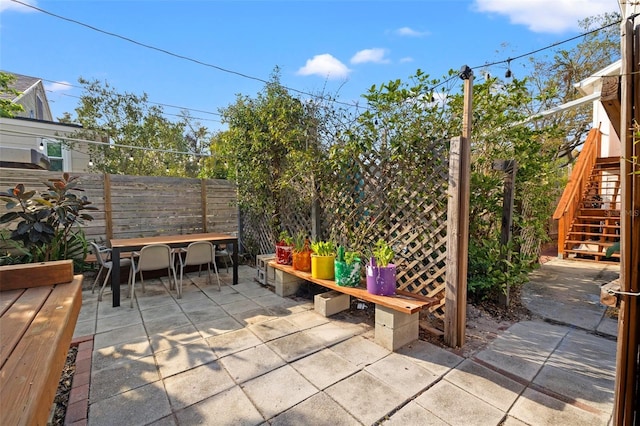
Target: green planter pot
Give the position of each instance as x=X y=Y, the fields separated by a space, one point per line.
x=347 y=275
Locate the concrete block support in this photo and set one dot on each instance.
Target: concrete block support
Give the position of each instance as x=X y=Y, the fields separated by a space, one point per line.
x=265 y=274
x=395 y=329
x=286 y=284
x=331 y=302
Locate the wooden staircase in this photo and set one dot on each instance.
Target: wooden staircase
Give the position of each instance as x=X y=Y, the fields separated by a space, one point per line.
x=588 y=212
x=597 y=223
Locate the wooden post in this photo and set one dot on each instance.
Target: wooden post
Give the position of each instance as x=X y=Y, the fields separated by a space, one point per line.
x=108 y=216
x=626 y=386
x=458 y=224
x=510 y=167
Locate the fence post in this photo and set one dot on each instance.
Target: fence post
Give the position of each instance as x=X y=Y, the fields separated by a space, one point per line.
x=108 y=217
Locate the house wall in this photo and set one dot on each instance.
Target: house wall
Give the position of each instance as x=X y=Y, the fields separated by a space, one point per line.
x=27 y=135
x=610 y=143
x=35 y=104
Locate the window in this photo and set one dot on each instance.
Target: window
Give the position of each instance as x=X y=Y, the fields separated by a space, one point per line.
x=55 y=153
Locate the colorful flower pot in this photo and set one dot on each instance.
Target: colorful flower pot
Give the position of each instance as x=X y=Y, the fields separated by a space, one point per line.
x=322 y=267
x=302 y=261
x=381 y=280
x=347 y=275
x=284 y=254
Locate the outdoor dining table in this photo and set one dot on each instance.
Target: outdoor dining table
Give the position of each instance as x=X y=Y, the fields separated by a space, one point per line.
x=119 y=245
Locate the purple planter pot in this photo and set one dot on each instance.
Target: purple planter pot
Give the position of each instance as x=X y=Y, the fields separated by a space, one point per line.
x=381 y=280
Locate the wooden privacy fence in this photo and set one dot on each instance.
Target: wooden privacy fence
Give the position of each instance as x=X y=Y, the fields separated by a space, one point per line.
x=142 y=206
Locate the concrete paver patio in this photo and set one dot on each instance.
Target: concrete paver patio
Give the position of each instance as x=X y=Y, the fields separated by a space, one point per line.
x=244 y=356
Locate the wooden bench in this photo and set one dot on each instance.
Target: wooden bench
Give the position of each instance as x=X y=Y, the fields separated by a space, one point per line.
x=39 y=307
x=396 y=317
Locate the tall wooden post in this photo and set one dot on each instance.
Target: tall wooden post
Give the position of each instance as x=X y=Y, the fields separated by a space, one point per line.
x=458 y=223
x=510 y=167
x=108 y=210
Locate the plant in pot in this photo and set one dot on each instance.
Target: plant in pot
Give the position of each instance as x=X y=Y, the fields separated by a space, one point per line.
x=301 y=253
x=284 y=249
x=322 y=259
x=381 y=273
x=347 y=268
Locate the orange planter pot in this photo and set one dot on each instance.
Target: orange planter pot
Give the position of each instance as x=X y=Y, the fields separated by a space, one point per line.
x=302 y=261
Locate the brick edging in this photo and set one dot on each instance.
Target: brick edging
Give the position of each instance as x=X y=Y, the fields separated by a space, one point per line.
x=78 y=405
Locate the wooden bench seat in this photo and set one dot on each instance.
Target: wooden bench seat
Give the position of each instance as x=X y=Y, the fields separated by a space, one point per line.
x=396 y=316
x=39 y=307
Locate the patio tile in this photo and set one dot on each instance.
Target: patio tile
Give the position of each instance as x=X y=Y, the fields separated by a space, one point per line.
x=184 y=357
x=197 y=384
x=365 y=397
x=124 y=408
x=230 y=407
x=105 y=308
x=125 y=319
x=486 y=384
x=240 y=306
x=255 y=316
x=206 y=314
x=84 y=328
x=295 y=346
x=235 y=341
x=405 y=376
x=110 y=355
x=121 y=335
x=273 y=329
x=177 y=336
x=431 y=357
x=324 y=368
x=122 y=377
x=223 y=298
x=278 y=391
x=360 y=351
x=413 y=414
x=218 y=326
x=317 y=410
x=169 y=322
x=334 y=332
x=536 y=408
x=307 y=319
x=149 y=301
x=585 y=353
x=160 y=312
x=165 y=421
x=197 y=305
x=457 y=407
x=250 y=363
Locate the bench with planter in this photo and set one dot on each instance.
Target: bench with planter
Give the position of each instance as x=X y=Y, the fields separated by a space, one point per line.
x=396 y=317
x=39 y=307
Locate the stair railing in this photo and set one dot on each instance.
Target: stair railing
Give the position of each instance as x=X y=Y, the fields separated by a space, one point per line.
x=569 y=204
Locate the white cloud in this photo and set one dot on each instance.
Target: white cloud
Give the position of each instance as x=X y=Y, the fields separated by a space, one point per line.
x=410 y=32
x=370 y=55
x=58 y=86
x=325 y=65
x=406 y=59
x=547 y=16
x=9 y=5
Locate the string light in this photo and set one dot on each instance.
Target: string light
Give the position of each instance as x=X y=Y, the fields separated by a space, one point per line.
x=508 y=73
x=131 y=155
x=90 y=161
x=41 y=146
x=166 y=166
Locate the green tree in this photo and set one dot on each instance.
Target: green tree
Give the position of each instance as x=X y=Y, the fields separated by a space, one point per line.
x=139 y=140
x=552 y=81
x=8 y=109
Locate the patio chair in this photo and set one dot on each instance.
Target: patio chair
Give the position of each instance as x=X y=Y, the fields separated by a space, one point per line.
x=151 y=258
x=103 y=257
x=199 y=253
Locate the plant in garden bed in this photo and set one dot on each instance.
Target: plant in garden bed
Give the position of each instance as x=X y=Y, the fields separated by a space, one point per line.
x=381 y=273
x=48 y=223
x=301 y=253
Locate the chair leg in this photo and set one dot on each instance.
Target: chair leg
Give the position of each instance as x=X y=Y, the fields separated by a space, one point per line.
x=215 y=268
x=179 y=284
x=104 y=284
x=96 y=280
x=133 y=286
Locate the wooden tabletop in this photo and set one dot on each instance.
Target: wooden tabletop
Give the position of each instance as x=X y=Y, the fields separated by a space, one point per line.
x=172 y=239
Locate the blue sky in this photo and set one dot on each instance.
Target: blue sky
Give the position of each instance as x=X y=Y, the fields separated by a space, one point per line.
x=336 y=47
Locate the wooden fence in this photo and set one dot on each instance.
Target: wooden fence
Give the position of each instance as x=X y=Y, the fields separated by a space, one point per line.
x=141 y=206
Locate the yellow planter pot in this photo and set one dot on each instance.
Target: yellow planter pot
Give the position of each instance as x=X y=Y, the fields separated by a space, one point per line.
x=322 y=267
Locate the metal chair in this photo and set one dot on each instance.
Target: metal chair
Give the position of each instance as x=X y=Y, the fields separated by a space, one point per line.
x=199 y=253
x=151 y=258
x=103 y=256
